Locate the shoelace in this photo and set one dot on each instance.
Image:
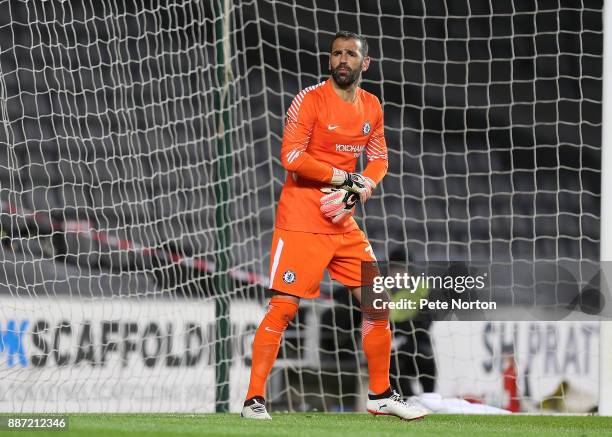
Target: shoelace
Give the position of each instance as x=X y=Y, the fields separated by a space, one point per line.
x=258 y=408
x=397 y=398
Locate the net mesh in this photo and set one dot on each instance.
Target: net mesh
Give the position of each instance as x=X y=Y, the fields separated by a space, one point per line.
x=113 y=190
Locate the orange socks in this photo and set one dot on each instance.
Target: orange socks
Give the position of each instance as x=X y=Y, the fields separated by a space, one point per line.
x=267 y=341
x=376 y=340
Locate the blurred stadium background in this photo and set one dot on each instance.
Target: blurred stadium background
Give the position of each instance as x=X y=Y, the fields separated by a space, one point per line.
x=140 y=169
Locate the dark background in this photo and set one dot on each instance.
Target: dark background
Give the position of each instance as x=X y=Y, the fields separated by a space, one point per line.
x=110 y=116
x=492 y=114
x=492 y=110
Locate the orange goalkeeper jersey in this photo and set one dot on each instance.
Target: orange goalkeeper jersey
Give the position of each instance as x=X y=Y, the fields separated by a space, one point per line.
x=323 y=132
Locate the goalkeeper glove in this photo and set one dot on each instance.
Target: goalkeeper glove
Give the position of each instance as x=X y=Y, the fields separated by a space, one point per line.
x=338 y=204
x=354 y=182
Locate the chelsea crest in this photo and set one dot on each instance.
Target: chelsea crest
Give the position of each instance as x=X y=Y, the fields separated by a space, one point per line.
x=366 y=128
x=289 y=277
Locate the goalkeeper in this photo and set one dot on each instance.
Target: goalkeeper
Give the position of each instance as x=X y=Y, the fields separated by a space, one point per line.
x=327 y=128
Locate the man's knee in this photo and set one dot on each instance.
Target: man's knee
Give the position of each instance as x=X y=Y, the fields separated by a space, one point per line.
x=380 y=311
x=283 y=308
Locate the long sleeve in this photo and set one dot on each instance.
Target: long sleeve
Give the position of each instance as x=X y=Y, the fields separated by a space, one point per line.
x=300 y=121
x=376 y=153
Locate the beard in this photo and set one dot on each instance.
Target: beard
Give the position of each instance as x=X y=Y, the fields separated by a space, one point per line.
x=348 y=79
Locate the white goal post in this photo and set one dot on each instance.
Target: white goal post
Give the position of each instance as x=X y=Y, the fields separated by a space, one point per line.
x=605 y=348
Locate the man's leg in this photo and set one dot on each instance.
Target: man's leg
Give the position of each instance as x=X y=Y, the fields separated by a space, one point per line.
x=376 y=342
x=297 y=264
x=354 y=265
x=281 y=311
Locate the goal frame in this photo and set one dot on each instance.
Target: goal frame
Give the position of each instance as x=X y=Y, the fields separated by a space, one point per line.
x=605 y=338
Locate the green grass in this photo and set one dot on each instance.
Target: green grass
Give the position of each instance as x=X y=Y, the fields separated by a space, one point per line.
x=321 y=424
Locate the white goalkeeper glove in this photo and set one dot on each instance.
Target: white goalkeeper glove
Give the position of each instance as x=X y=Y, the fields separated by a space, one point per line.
x=338 y=204
x=354 y=182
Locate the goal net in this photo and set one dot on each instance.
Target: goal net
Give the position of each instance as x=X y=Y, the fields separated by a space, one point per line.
x=140 y=173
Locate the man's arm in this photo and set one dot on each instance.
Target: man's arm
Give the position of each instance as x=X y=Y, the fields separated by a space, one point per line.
x=376 y=153
x=301 y=118
x=376 y=169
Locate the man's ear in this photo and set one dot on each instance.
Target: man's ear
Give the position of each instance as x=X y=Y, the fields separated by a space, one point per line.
x=366 y=63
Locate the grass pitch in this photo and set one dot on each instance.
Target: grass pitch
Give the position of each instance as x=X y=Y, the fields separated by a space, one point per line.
x=328 y=425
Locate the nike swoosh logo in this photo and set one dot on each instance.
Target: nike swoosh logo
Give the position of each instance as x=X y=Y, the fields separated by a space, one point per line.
x=332 y=126
x=267 y=328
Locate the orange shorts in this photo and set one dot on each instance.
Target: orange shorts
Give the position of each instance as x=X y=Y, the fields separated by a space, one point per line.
x=298 y=260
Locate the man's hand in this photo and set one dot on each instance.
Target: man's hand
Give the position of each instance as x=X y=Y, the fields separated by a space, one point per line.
x=338 y=204
x=354 y=182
